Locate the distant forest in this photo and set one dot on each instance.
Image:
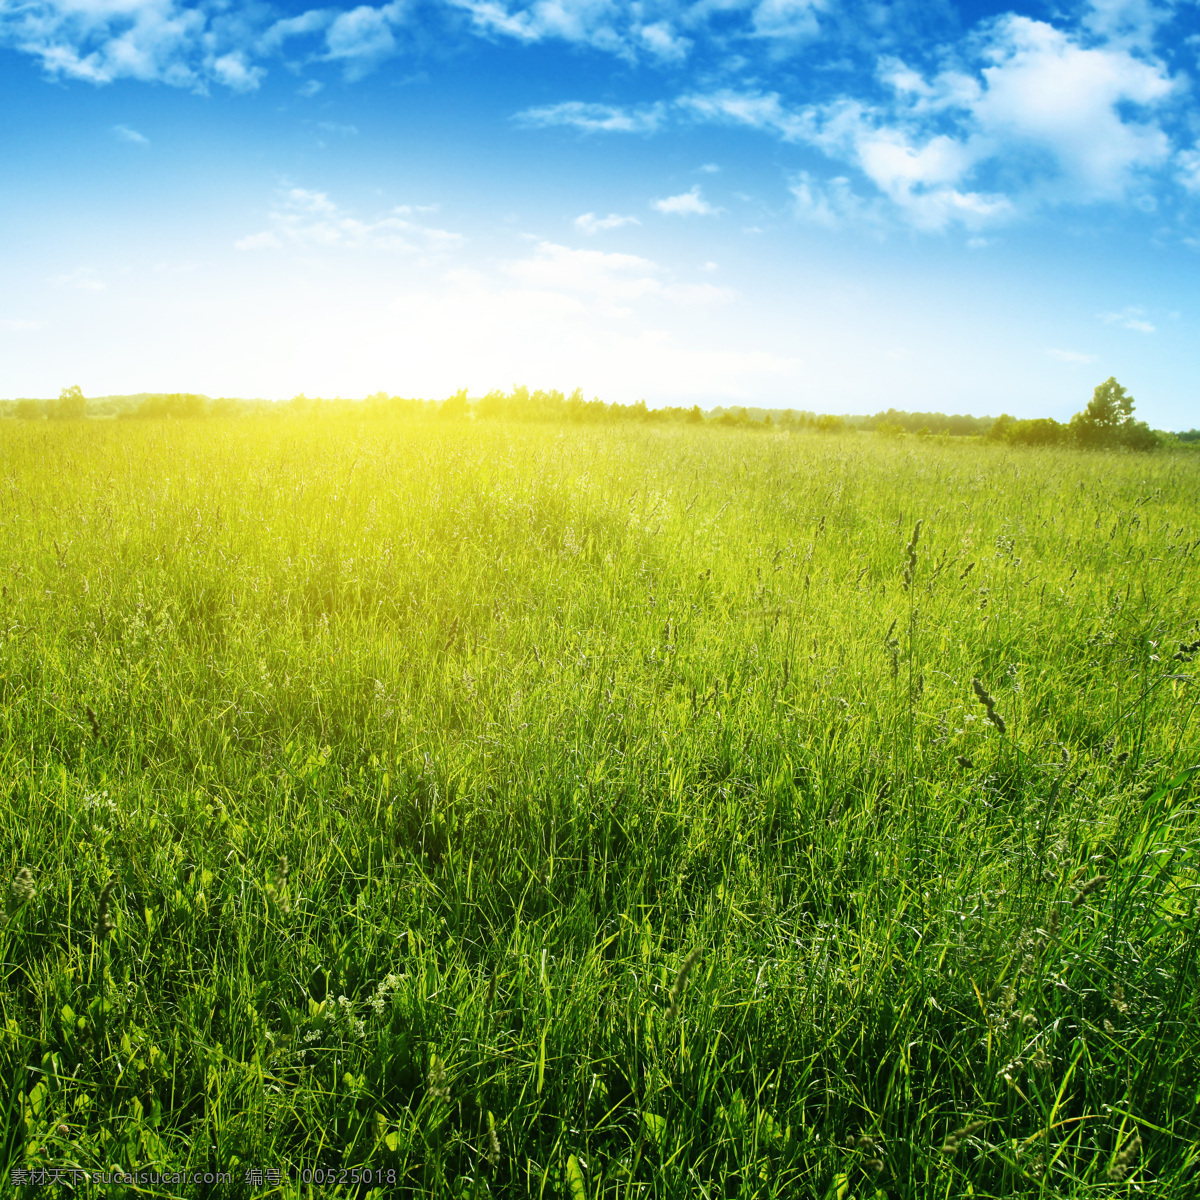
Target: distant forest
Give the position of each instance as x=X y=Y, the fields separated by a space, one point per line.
x=1107 y=421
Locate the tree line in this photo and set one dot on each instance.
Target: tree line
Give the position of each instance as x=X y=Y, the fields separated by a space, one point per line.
x=1106 y=422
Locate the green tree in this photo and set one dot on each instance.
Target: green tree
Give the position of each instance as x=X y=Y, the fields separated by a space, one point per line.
x=1108 y=421
x=1110 y=406
x=1104 y=420
x=70 y=405
x=455 y=406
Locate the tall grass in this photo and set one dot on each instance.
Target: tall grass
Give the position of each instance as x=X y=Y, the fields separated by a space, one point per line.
x=597 y=812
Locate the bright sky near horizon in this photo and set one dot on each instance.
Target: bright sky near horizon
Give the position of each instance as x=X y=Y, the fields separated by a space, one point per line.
x=838 y=205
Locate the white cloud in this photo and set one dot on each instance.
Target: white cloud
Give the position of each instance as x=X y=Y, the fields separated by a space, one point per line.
x=125 y=134
x=832 y=203
x=362 y=38
x=686 y=204
x=757 y=110
x=148 y=40
x=236 y=73
x=1129 y=23
x=1189 y=168
x=20 y=326
x=609 y=282
x=663 y=43
x=589 y=223
x=789 y=20
x=1128 y=318
x=333 y=127
x=187 y=43
x=1071 y=356
x=309 y=88
x=82 y=279
x=1033 y=117
x=595 y=118
x=258 y=241
x=918 y=176
x=310 y=220
x=316 y=20
x=587 y=22
x=1048 y=92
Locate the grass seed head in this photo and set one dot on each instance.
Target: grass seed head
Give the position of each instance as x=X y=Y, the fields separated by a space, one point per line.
x=20 y=891
x=968 y=1130
x=94 y=721
x=438 y=1080
x=493 y=1150
x=104 y=921
x=955 y=1140
x=1095 y=884
x=910 y=568
x=277 y=889
x=685 y=969
x=1126 y=1158
x=988 y=703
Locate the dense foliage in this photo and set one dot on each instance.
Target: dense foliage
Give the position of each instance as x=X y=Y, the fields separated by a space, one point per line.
x=1107 y=423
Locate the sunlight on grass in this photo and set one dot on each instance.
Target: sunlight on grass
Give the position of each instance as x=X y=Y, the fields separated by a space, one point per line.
x=613 y=811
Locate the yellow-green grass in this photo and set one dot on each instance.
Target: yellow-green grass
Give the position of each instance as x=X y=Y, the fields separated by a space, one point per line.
x=423 y=756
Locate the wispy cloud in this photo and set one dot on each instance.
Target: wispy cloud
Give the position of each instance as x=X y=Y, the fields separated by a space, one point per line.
x=310 y=220
x=337 y=129
x=788 y=20
x=833 y=203
x=611 y=282
x=1071 y=356
x=18 y=325
x=287 y=29
x=686 y=204
x=1128 y=318
x=266 y=240
x=82 y=279
x=595 y=118
x=1189 y=169
x=590 y=223
x=125 y=134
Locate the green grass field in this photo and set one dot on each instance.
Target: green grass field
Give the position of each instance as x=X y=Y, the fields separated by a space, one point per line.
x=496 y=809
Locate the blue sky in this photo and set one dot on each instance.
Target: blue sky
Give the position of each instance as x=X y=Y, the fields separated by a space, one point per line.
x=825 y=204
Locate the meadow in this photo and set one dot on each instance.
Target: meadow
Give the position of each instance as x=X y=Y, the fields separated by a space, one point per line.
x=465 y=808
